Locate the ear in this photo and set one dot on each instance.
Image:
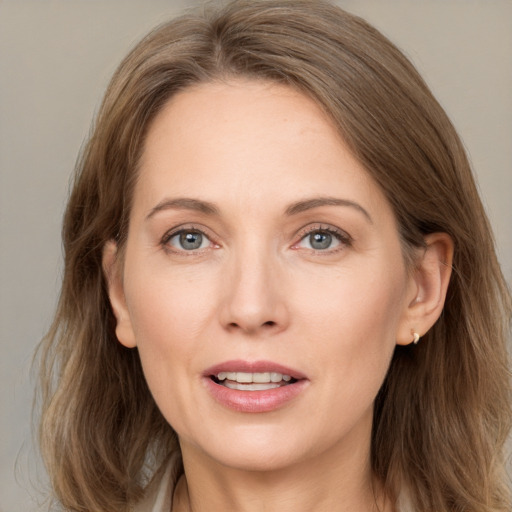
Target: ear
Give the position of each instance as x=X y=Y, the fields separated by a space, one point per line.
x=113 y=276
x=428 y=284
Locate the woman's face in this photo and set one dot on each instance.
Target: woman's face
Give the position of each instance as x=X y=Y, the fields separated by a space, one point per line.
x=263 y=280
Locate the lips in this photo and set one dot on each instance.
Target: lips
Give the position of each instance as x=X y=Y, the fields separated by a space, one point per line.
x=260 y=386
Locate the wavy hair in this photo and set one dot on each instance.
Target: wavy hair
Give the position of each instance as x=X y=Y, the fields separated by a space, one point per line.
x=443 y=413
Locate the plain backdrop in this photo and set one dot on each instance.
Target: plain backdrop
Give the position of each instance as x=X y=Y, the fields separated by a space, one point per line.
x=56 y=57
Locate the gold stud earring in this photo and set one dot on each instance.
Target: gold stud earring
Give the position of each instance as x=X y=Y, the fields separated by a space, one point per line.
x=415 y=337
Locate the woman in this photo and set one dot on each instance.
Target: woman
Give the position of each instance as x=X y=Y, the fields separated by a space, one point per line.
x=280 y=286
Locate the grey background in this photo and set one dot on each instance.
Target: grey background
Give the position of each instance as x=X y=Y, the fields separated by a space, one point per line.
x=56 y=57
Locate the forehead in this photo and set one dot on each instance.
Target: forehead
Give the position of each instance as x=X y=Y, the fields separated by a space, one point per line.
x=247 y=141
x=251 y=113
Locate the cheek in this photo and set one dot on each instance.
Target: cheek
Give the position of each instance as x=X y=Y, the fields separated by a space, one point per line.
x=169 y=314
x=354 y=322
x=167 y=305
x=360 y=302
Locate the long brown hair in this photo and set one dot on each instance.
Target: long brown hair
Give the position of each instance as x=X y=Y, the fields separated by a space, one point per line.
x=443 y=413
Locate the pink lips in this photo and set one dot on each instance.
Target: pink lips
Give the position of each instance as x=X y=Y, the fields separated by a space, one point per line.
x=254 y=401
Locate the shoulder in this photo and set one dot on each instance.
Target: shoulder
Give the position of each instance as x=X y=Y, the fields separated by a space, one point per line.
x=404 y=502
x=158 y=496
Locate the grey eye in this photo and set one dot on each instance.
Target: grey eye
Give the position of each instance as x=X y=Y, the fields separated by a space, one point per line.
x=320 y=241
x=189 y=240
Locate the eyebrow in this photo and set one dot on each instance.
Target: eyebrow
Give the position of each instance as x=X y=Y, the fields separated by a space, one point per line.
x=207 y=208
x=184 y=203
x=317 y=202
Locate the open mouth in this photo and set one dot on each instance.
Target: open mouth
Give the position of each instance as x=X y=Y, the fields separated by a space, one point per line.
x=260 y=381
x=254 y=386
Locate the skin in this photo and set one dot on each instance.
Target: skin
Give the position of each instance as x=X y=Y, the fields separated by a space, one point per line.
x=258 y=290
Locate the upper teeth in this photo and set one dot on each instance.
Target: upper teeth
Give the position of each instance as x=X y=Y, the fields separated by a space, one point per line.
x=244 y=377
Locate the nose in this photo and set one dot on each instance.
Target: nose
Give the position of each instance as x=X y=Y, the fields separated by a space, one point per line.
x=254 y=292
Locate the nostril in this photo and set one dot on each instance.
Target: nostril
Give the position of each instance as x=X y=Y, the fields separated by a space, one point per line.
x=268 y=325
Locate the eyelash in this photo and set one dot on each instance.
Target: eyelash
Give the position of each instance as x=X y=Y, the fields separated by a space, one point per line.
x=178 y=231
x=341 y=236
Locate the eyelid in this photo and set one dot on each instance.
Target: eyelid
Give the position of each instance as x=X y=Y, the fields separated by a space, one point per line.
x=344 y=238
x=171 y=233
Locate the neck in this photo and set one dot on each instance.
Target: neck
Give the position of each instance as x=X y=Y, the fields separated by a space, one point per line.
x=335 y=481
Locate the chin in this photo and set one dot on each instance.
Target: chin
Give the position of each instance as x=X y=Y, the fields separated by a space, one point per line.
x=255 y=459
x=259 y=448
